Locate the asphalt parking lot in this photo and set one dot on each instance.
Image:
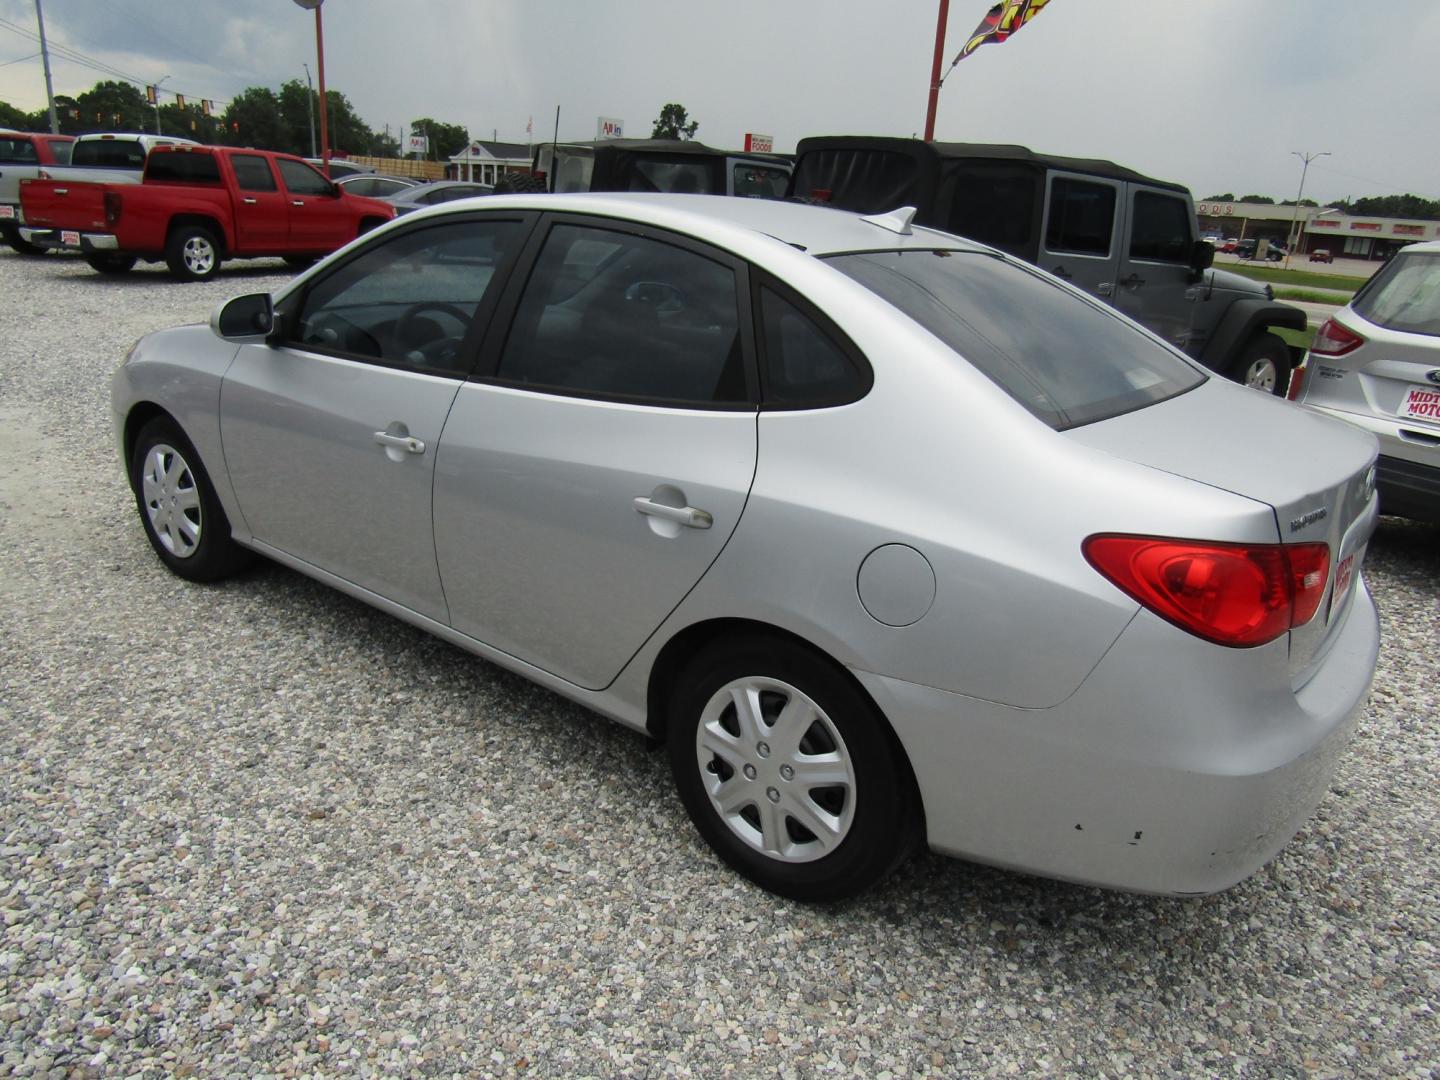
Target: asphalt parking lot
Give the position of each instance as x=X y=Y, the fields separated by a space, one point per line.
x=261 y=829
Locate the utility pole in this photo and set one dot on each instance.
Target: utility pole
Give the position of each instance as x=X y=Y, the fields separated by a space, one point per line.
x=310 y=108
x=1295 y=217
x=157 y=103
x=45 y=63
x=935 y=70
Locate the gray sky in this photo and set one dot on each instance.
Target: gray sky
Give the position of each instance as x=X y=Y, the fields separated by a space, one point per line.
x=1212 y=93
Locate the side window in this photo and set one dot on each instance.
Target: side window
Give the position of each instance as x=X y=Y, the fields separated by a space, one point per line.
x=252 y=172
x=681 y=177
x=1160 y=231
x=60 y=149
x=801 y=364
x=301 y=179
x=410 y=301
x=182 y=167
x=1082 y=217
x=617 y=315
x=18 y=152
x=759 y=181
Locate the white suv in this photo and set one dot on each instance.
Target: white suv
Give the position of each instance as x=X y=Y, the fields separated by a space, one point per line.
x=1376 y=363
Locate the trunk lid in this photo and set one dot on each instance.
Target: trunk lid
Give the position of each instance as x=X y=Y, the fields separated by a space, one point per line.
x=1317 y=474
x=62 y=204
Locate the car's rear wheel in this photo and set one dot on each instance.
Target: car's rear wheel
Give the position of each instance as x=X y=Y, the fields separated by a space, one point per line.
x=192 y=253
x=788 y=770
x=111 y=262
x=183 y=519
x=1264 y=364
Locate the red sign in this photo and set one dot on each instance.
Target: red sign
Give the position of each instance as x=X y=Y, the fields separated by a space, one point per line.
x=1366 y=226
x=759 y=144
x=1409 y=230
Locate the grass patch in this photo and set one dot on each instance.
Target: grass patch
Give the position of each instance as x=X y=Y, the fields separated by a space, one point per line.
x=1301 y=338
x=1299 y=279
x=1312 y=296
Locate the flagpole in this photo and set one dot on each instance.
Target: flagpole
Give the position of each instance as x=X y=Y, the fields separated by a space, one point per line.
x=935 y=70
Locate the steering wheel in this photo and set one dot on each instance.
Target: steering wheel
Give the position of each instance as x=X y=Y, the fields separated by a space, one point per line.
x=437 y=351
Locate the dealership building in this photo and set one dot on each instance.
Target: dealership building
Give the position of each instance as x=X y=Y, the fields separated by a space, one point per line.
x=1317 y=226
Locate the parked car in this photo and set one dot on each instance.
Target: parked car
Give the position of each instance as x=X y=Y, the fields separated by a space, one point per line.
x=22 y=155
x=340 y=168
x=1129 y=239
x=197 y=206
x=441 y=191
x=104 y=157
x=1321 y=255
x=1376 y=364
x=888 y=536
x=1228 y=245
x=374 y=185
x=686 y=167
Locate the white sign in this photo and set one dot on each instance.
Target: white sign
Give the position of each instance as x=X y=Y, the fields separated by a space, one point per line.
x=607 y=127
x=759 y=144
x=417 y=144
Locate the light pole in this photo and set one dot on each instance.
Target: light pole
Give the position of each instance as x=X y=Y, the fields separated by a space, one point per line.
x=310 y=107
x=1295 y=217
x=157 y=103
x=314 y=5
x=45 y=63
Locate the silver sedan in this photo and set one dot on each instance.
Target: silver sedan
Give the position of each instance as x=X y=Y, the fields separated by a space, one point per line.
x=890 y=538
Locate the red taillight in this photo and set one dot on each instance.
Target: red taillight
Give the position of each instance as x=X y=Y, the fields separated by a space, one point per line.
x=1240 y=595
x=822 y=194
x=1332 y=339
x=1298 y=378
x=112 y=209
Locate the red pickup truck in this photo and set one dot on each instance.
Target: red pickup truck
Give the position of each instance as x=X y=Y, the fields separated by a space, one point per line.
x=196 y=206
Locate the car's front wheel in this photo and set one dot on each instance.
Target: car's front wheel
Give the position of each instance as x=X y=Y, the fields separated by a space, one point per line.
x=788 y=770
x=1264 y=364
x=183 y=519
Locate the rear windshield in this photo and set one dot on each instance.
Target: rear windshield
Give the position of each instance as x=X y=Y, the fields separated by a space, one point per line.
x=109 y=153
x=1066 y=359
x=1405 y=295
x=183 y=168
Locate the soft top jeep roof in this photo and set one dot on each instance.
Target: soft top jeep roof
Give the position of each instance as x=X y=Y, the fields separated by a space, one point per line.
x=871 y=172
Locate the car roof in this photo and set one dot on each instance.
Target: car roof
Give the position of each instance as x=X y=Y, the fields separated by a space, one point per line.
x=818 y=230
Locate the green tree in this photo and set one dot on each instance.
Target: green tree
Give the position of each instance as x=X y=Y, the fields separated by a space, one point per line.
x=110 y=105
x=16 y=120
x=253 y=119
x=674 y=123
x=1257 y=199
x=1229 y=196
x=1399 y=206
x=446 y=140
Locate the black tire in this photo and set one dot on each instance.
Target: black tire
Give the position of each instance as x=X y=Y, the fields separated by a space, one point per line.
x=183 y=519
x=1263 y=364
x=874 y=809
x=300 y=262
x=192 y=253
x=111 y=262
x=11 y=236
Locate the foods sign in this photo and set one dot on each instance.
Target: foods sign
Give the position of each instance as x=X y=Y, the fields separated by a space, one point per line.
x=759 y=144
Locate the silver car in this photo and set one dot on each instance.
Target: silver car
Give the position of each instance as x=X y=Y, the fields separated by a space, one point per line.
x=1376 y=363
x=891 y=538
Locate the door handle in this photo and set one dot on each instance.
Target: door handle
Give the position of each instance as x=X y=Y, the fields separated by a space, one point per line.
x=688 y=516
x=408 y=443
x=1105 y=288
x=297 y=202
x=248 y=201
x=62 y=191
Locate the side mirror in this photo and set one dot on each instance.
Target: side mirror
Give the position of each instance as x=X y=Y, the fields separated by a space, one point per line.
x=245 y=318
x=1202 y=256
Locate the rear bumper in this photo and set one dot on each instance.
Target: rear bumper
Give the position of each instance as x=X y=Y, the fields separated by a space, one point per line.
x=1407 y=475
x=1171 y=770
x=56 y=238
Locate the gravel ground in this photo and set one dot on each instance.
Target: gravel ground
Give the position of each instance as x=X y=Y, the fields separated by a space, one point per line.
x=262 y=830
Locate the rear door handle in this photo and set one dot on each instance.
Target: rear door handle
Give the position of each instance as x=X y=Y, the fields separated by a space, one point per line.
x=688 y=516
x=248 y=201
x=297 y=202
x=408 y=443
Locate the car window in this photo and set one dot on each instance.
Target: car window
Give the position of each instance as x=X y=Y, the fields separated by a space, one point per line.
x=1082 y=217
x=1160 y=230
x=801 y=364
x=994 y=204
x=61 y=148
x=301 y=179
x=1405 y=295
x=18 y=152
x=676 y=176
x=410 y=300
x=612 y=314
x=759 y=181
x=252 y=172
x=1068 y=360
x=178 y=167
x=109 y=153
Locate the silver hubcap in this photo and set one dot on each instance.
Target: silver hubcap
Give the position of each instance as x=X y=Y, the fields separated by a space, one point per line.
x=199 y=255
x=1261 y=375
x=171 y=500
x=776 y=770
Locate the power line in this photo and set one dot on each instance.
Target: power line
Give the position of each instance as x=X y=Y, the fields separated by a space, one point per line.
x=22 y=59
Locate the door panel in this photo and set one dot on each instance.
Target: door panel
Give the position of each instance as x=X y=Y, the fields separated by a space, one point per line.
x=1154 y=284
x=262 y=215
x=1079 y=242
x=300 y=436
x=541 y=547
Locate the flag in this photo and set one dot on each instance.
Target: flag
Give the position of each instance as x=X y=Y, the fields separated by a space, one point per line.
x=1000 y=22
x=151 y=94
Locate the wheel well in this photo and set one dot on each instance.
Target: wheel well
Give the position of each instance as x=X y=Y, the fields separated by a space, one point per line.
x=679 y=650
x=140 y=415
x=210 y=225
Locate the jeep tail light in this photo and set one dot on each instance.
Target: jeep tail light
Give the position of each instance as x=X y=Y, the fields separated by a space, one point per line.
x=822 y=194
x=1332 y=339
x=112 y=209
x=1298 y=378
x=1239 y=595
